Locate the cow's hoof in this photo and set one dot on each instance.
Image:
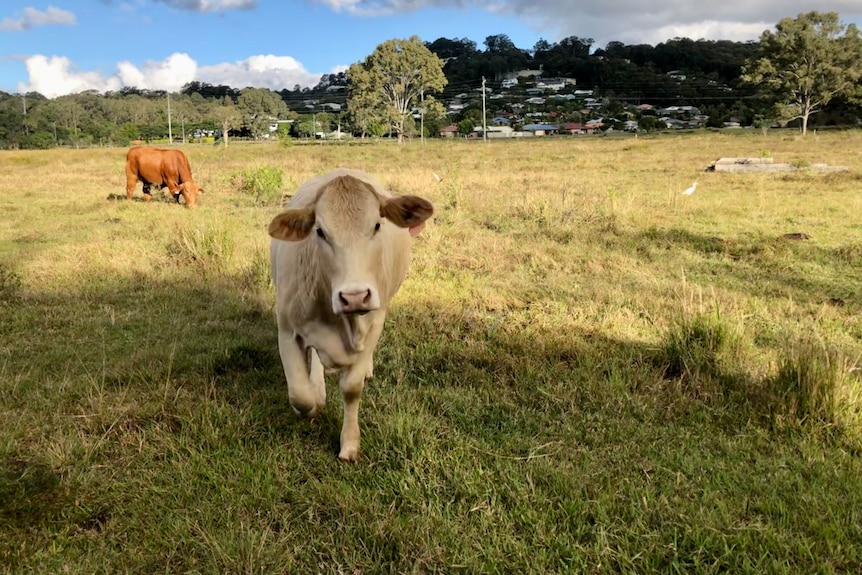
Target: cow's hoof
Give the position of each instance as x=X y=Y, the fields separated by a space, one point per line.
x=308 y=413
x=349 y=453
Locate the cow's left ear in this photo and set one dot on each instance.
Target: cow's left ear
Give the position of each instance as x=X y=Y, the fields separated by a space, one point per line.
x=407 y=212
x=292 y=225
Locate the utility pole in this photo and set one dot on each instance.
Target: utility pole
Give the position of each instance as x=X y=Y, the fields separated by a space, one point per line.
x=170 y=136
x=422 y=116
x=484 y=115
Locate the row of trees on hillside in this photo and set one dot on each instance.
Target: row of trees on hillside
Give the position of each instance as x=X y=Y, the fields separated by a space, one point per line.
x=809 y=64
x=88 y=118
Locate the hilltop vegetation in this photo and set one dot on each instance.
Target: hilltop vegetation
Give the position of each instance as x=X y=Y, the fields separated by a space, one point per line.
x=702 y=75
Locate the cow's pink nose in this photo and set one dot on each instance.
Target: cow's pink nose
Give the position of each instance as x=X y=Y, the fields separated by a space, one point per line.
x=351 y=301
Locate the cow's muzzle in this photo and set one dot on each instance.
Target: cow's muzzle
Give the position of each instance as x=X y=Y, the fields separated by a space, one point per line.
x=355 y=301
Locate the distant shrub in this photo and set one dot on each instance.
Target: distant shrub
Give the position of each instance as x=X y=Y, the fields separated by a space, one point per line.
x=263 y=184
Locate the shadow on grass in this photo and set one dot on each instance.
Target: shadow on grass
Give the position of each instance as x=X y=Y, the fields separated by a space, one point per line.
x=176 y=390
x=764 y=266
x=140 y=335
x=162 y=197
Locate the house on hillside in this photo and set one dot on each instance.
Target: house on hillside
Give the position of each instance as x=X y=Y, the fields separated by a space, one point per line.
x=554 y=84
x=449 y=131
x=573 y=128
x=541 y=129
x=521 y=74
x=495 y=132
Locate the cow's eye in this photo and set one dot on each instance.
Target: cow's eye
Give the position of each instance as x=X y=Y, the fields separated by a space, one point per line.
x=320 y=234
x=376 y=227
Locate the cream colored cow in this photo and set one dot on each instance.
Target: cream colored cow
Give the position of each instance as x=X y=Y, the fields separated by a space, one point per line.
x=339 y=253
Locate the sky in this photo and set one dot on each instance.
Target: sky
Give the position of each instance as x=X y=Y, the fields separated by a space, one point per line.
x=57 y=47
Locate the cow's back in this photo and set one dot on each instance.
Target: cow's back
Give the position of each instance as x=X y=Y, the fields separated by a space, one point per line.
x=145 y=163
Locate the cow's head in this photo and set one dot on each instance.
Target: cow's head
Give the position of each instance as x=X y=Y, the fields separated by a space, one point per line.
x=189 y=191
x=350 y=223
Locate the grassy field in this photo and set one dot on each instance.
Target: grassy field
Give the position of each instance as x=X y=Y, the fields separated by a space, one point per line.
x=585 y=371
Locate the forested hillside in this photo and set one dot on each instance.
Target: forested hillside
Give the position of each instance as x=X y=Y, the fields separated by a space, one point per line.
x=680 y=72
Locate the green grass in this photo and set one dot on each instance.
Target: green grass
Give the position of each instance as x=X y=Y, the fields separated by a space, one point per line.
x=584 y=372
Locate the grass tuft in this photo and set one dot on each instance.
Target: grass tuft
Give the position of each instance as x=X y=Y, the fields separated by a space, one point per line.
x=697 y=353
x=209 y=247
x=10 y=285
x=817 y=388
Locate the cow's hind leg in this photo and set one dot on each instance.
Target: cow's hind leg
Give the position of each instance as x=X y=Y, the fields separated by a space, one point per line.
x=302 y=392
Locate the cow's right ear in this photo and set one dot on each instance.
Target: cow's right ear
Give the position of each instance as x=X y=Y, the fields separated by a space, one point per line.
x=292 y=225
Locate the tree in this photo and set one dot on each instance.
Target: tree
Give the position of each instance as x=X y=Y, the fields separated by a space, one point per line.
x=393 y=78
x=807 y=62
x=499 y=43
x=228 y=116
x=364 y=105
x=259 y=107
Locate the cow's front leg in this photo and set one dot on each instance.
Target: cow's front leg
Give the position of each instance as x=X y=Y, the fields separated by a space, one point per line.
x=304 y=395
x=351 y=383
x=131 y=182
x=318 y=381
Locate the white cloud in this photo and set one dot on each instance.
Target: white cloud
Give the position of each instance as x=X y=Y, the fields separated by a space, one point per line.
x=57 y=75
x=628 y=21
x=210 y=5
x=32 y=17
x=273 y=72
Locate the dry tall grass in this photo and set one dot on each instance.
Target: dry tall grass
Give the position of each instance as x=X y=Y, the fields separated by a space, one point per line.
x=579 y=370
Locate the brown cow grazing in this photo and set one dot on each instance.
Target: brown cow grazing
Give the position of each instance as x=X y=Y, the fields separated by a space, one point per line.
x=339 y=253
x=161 y=167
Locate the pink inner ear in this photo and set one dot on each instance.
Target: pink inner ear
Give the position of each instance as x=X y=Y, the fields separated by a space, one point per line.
x=414 y=231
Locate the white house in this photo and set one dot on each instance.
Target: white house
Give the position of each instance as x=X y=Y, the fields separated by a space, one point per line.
x=495 y=132
x=554 y=84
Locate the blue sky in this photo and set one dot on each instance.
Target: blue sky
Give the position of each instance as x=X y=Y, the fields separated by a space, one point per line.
x=62 y=46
